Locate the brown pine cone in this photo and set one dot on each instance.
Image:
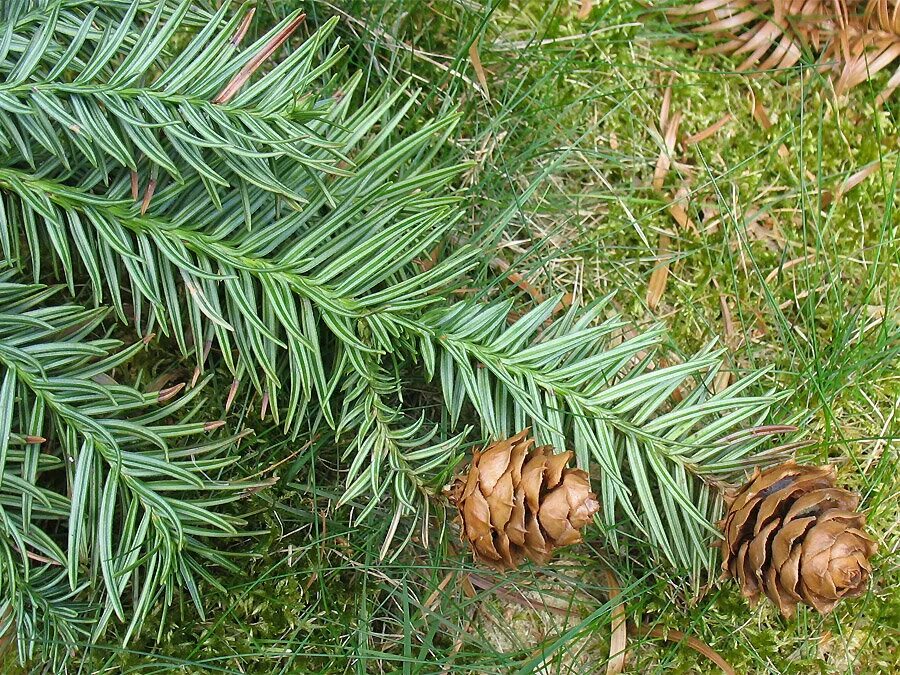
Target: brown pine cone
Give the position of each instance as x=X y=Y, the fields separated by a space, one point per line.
x=790 y=533
x=516 y=502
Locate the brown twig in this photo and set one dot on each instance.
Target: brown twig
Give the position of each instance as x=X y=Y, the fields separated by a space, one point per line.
x=697 y=645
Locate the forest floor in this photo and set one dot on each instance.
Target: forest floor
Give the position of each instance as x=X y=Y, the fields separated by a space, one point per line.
x=771 y=224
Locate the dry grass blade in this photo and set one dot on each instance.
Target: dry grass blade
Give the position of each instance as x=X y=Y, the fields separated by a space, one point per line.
x=618 y=642
x=731 y=337
x=760 y=114
x=518 y=279
x=238 y=81
x=665 y=108
x=679 y=213
x=432 y=600
x=730 y=340
x=664 y=162
x=668 y=128
x=859 y=177
x=681 y=216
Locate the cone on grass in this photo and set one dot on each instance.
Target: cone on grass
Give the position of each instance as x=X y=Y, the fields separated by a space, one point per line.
x=791 y=534
x=516 y=502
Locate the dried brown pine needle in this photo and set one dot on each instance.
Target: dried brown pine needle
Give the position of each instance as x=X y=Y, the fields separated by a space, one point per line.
x=709 y=131
x=669 y=128
x=657 y=285
x=475 y=58
x=234 y=85
x=854 y=39
x=585 y=9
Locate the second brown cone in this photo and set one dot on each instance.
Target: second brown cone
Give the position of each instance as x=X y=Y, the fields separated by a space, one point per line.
x=518 y=502
x=791 y=534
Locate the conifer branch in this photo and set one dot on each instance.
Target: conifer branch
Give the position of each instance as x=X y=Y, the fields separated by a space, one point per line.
x=247 y=205
x=135 y=502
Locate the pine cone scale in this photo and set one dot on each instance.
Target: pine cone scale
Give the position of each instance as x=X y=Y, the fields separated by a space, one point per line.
x=500 y=502
x=789 y=533
x=535 y=544
x=494 y=462
x=830 y=499
x=749 y=585
x=769 y=507
x=556 y=464
x=516 y=502
x=476 y=516
x=759 y=547
x=783 y=543
x=532 y=478
x=515 y=529
x=581 y=510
